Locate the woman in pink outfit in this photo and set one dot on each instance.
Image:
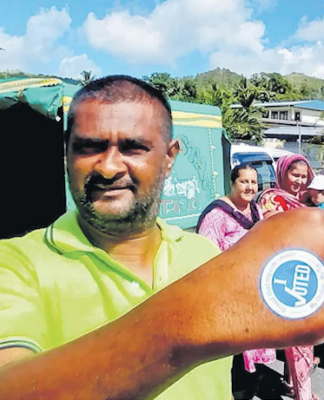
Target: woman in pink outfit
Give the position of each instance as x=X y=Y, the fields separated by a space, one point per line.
x=224 y=222
x=293 y=176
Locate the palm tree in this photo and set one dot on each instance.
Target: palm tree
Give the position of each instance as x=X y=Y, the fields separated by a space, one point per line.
x=243 y=122
x=86 y=77
x=244 y=94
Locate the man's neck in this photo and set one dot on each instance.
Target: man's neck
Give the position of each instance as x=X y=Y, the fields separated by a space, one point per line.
x=136 y=252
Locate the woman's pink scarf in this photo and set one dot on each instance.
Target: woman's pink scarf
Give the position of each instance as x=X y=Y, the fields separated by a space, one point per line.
x=283 y=165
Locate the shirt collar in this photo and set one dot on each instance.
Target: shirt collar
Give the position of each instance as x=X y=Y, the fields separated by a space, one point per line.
x=65 y=235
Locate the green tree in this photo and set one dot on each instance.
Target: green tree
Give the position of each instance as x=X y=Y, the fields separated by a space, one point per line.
x=163 y=81
x=244 y=122
x=272 y=86
x=214 y=95
x=86 y=77
x=244 y=94
x=305 y=91
x=189 y=90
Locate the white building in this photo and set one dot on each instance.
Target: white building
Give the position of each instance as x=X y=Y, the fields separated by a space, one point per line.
x=288 y=120
x=289 y=123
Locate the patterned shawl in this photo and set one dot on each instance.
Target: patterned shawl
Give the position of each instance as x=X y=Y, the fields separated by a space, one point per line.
x=278 y=195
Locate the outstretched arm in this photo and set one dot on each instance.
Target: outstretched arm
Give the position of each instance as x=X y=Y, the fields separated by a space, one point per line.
x=212 y=312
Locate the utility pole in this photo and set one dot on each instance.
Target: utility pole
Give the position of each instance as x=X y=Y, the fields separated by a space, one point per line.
x=299 y=137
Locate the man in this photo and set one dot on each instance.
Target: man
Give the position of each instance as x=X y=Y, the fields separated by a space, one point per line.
x=101 y=263
x=316 y=191
x=88 y=288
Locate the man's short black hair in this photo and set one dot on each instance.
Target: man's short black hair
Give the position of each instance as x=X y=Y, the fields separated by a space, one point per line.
x=119 y=88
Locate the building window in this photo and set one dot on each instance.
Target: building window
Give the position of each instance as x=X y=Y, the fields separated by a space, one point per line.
x=297 y=116
x=274 y=114
x=283 y=115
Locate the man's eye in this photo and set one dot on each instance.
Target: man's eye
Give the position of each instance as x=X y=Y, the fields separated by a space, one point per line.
x=134 y=148
x=88 y=148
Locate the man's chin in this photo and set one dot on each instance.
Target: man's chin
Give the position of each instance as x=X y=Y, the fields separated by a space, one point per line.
x=112 y=215
x=112 y=209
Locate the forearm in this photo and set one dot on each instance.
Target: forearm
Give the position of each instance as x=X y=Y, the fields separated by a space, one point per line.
x=214 y=311
x=133 y=357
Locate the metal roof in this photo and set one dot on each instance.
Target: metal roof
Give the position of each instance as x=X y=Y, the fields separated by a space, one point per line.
x=317 y=105
x=310 y=104
x=294 y=131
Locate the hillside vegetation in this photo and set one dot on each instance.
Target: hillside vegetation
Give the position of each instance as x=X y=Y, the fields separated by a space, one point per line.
x=222 y=88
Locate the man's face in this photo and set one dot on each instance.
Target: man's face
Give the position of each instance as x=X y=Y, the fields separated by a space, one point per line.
x=317 y=196
x=118 y=159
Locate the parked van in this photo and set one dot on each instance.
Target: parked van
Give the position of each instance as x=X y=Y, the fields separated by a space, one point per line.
x=277 y=153
x=261 y=161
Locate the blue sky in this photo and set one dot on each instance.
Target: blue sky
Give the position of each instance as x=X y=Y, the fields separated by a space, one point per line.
x=182 y=37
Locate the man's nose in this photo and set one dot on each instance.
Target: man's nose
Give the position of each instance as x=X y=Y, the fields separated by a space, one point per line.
x=111 y=164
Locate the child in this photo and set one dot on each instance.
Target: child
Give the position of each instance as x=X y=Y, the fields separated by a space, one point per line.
x=316 y=191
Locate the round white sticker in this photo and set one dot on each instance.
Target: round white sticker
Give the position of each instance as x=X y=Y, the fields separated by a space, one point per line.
x=292 y=283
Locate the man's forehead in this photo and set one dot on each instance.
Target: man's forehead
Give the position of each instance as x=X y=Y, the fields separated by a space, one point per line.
x=92 y=105
x=126 y=118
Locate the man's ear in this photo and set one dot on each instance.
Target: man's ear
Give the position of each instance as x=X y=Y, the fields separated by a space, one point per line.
x=173 y=150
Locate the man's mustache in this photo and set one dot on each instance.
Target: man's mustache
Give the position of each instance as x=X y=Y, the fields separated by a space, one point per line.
x=94 y=181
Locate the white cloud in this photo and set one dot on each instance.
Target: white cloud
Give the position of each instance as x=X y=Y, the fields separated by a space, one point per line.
x=311 y=31
x=264 y=5
x=303 y=58
x=125 y=36
x=225 y=32
x=245 y=63
x=71 y=67
x=40 y=42
x=175 y=28
x=39 y=49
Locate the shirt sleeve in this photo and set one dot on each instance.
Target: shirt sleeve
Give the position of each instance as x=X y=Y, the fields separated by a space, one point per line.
x=22 y=317
x=213 y=227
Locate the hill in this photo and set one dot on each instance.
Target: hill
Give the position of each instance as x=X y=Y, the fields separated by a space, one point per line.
x=306 y=84
x=223 y=77
x=22 y=74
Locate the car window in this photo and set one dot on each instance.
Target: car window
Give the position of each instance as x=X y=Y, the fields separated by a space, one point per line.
x=262 y=163
x=266 y=174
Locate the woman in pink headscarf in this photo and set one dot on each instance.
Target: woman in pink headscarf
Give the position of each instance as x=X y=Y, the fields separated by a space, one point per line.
x=293 y=176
